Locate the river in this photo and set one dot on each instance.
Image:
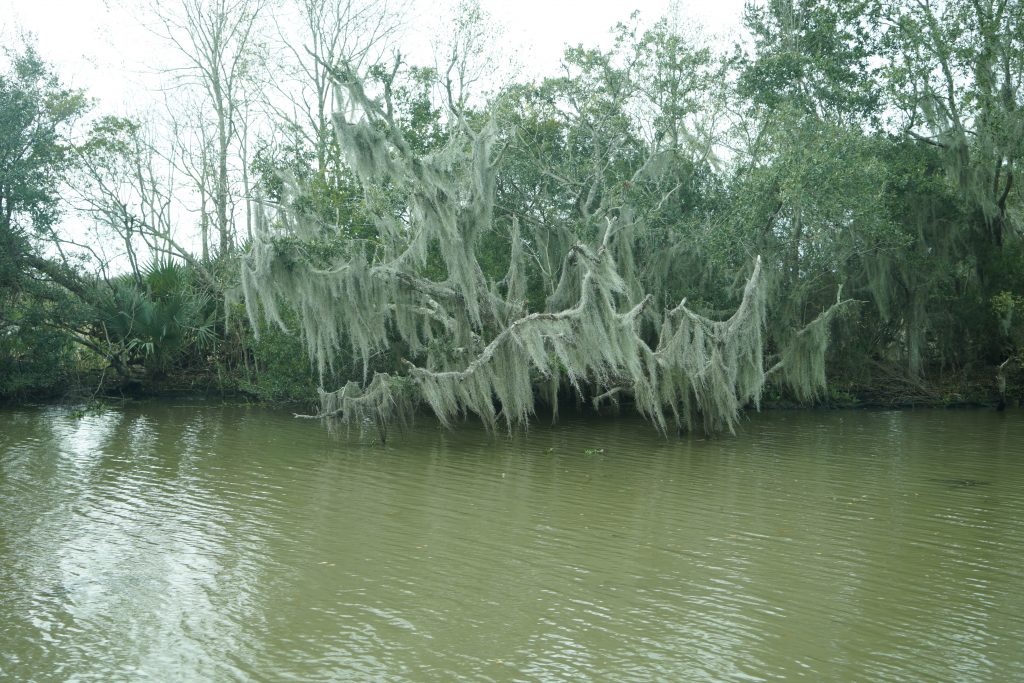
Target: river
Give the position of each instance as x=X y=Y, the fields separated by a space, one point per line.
x=204 y=543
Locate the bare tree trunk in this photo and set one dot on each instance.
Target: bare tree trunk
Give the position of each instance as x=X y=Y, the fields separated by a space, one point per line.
x=219 y=40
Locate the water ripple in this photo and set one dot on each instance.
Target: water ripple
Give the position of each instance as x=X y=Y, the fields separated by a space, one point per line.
x=209 y=543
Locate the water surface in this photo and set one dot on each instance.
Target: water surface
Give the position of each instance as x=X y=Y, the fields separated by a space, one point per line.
x=163 y=542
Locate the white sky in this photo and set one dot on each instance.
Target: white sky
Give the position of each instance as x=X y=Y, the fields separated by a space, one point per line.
x=97 y=45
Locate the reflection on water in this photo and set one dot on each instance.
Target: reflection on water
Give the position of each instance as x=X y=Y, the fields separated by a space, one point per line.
x=207 y=543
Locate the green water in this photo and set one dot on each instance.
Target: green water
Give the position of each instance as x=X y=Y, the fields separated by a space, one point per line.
x=191 y=543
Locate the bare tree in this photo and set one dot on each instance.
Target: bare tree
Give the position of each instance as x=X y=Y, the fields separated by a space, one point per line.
x=219 y=40
x=192 y=136
x=127 y=186
x=315 y=35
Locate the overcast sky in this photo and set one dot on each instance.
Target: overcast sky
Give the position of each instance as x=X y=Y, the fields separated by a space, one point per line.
x=99 y=46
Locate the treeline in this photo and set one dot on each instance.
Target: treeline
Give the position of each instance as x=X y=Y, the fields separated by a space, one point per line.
x=827 y=214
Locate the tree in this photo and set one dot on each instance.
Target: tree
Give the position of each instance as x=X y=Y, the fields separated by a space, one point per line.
x=813 y=57
x=38 y=283
x=125 y=187
x=219 y=41
x=35 y=149
x=950 y=79
x=811 y=186
x=955 y=70
x=472 y=339
x=328 y=33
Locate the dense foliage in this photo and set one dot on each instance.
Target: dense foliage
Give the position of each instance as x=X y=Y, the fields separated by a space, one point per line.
x=830 y=213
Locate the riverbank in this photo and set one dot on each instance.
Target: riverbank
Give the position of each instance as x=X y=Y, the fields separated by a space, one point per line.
x=978 y=389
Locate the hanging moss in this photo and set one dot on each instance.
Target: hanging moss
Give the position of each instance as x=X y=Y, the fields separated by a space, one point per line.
x=474 y=346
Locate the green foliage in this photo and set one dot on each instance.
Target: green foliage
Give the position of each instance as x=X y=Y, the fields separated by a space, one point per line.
x=473 y=344
x=284 y=374
x=659 y=225
x=37 y=304
x=813 y=57
x=168 y=323
x=38 y=113
x=953 y=72
x=34 y=360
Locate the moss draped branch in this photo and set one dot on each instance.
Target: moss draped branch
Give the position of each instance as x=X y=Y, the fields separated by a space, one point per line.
x=470 y=343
